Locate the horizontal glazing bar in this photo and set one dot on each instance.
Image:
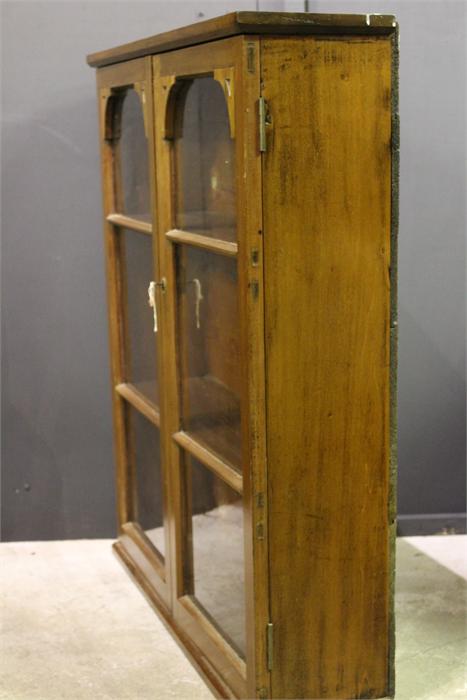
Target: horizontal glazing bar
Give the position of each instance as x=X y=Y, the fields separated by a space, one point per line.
x=216 y=245
x=198 y=613
x=140 y=402
x=134 y=531
x=138 y=225
x=223 y=470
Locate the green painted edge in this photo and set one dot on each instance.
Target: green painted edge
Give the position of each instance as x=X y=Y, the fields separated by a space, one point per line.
x=393 y=341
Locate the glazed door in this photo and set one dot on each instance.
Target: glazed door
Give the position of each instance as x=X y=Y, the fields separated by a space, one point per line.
x=125 y=98
x=201 y=197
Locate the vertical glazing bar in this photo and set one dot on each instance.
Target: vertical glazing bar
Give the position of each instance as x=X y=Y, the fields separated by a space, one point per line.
x=251 y=287
x=115 y=286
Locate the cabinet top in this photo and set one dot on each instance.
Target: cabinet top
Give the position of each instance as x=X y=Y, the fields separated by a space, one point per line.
x=246 y=23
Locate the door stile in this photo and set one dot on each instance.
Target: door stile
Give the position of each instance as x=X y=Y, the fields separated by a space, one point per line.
x=250 y=222
x=169 y=399
x=160 y=298
x=115 y=286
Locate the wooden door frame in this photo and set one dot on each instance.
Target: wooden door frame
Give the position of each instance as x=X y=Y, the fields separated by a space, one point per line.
x=133 y=547
x=237 y=58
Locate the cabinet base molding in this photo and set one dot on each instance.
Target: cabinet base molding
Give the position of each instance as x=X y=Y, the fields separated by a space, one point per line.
x=126 y=557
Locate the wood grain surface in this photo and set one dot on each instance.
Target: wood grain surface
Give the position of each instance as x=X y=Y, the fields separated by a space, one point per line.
x=326 y=203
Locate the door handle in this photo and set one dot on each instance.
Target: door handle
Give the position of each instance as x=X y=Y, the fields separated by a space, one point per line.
x=152 y=297
x=152 y=302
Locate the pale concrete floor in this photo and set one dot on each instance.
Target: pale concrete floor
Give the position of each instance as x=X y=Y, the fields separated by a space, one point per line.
x=75 y=627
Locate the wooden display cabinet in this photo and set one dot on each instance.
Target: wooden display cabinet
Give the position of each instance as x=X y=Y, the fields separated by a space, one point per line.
x=249 y=168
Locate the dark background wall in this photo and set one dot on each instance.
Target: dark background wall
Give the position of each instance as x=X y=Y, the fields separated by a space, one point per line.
x=57 y=462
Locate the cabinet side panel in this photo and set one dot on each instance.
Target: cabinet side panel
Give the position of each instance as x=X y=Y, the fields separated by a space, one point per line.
x=327 y=220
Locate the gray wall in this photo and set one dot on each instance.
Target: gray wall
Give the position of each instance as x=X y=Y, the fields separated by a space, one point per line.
x=57 y=463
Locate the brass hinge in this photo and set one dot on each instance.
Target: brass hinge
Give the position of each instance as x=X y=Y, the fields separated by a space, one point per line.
x=270 y=644
x=264 y=121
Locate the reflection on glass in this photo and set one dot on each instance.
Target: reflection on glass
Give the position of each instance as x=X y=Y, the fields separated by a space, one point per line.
x=141 y=339
x=205 y=162
x=134 y=158
x=210 y=360
x=218 y=560
x=148 y=476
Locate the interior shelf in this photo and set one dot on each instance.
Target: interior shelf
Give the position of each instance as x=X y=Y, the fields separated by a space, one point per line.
x=212 y=418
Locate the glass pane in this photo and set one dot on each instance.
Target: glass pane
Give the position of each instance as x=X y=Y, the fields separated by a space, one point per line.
x=134 y=158
x=218 y=560
x=141 y=346
x=209 y=350
x=148 y=475
x=205 y=163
